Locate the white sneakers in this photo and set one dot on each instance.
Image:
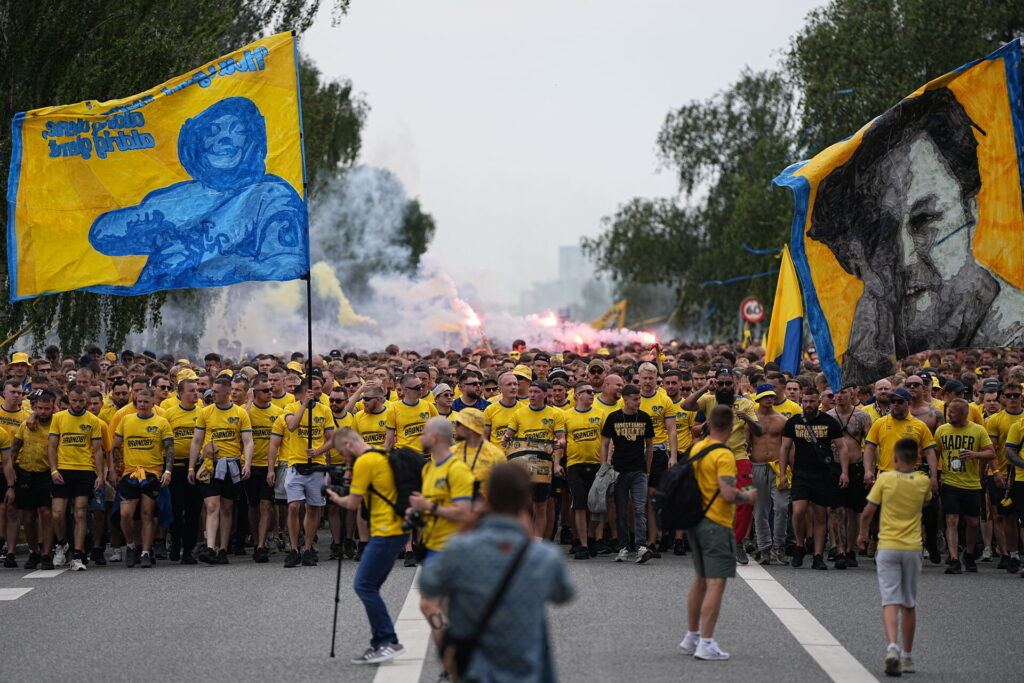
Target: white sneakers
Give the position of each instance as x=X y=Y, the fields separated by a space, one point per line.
x=622 y=556
x=60 y=555
x=77 y=565
x=893 y=667
x=710 y=651
x=643 y=553
x=115 y=555
x=379 y=655
x=689 y=644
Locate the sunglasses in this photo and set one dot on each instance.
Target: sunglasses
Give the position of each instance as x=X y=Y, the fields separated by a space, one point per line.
x=474 y=383
x=372 y=398
x=827 y=395
x=1015 y=395
x=263 y=390
x=350 y=385
x=913 y=385
x=585 y=391
x=447 y=393
x=336 y=400
x=418 y=387
x=686 y=387
x=596 y=371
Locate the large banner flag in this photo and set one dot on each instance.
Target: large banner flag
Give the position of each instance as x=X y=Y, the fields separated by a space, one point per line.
x=909 y=235
x=198 y=182
x=786 y=333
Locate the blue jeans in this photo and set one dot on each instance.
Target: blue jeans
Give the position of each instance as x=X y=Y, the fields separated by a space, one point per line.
x=631 y=485
x=374 y=567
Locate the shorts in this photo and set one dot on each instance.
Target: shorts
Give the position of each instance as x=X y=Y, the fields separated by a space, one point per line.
x=130 y=490
x=958 y=501
x=714 y=550
x=659 y=465
x=1018 y=498
x=77 y=484
x=581 y=478
x=541 y=492
x=855 y=496
x=280 y=473
x=224 y=488
x=995 y=495
x=558 y=485
x=256 y=487
x=817 y=487
x=32 y=490
x=898 y=574
x=305 y=488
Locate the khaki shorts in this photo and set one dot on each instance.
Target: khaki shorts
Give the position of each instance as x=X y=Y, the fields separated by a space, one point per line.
x=714 y=550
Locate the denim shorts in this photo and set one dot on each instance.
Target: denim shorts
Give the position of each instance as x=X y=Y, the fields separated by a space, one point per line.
x=305 y=487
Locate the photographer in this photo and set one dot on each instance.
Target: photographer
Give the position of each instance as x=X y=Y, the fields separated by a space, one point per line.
x=372 y=471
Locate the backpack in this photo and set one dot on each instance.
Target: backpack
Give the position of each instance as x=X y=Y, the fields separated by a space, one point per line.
x=407 y=469
x=678 y=503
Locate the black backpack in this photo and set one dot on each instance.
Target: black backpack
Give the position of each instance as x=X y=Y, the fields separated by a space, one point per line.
x=407 y=468
x=678 y=503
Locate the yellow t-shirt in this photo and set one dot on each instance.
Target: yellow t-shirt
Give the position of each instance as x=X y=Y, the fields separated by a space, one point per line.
x=661 y=408
x=480 y=460
x=262 y=419
x=76 y=435
x=998 y=427
x=685 y=420
x=11 y=420
x=886 y=431
x=5 y=443
x=955 y=471
x=605 y=409
x=537 y=424
x=283 y=401
x=719 y=462
x=372 y=469
x=788 y=408
x=872 y=411
x=975 y=415
x=583 y=436
x=407 y=422
x=1014 y=440
x=128 y=409
x=107 y=412
x=347 y=420
x=372 y=427
x=143 y=442
x=35 y=443
x=295 y=443
x=901 y=495
x=444 y=484
x=224 y=427
x=497 y=417
x=183 y=427
x=737 y=442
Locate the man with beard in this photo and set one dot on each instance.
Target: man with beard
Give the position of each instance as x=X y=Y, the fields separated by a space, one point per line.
x=27 y=468
x=881 y=406
x=764 y=453
x=470 y=382
x=808 y=437
x=923 y=409
x=744 y=423
x=885 y=432
x=851 y=500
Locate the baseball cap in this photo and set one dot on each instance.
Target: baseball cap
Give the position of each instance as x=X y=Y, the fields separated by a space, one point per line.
x=764 y=390
x=295 y=365
x=523 y=371
x=900 y=392
x=555 y=373
x=19 y=358
x=149 y=355
x=954 y=386
x=598 y=363
x=471 y=418
x=991 y=384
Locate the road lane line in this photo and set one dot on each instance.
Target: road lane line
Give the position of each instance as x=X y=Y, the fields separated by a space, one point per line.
x=44 y=574
x=414 y=633
x=12 y=593
x=834 y=659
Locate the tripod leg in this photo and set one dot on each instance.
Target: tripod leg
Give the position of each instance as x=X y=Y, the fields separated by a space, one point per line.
x=337 y=599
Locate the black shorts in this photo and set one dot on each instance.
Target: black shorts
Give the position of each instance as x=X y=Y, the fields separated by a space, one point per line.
x=77 y=484
x=958 y=501
x=541 y=492
x=1018 y=498
x=558 y=485
x=256 y=488
x=819 y=488
x=130 y=489
x=581 y=478
x=995 y=496
x=225 y=488
x=659 y=465
x=855 y=496
x=32 y=490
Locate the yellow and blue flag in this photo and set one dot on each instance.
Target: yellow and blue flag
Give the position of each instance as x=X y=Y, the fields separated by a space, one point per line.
x=198 y=182
x=785 y=335
x=906 y=235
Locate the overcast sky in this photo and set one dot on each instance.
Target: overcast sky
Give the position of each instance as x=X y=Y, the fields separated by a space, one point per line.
x=519 y=125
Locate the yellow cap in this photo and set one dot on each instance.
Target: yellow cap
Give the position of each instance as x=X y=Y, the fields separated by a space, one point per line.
x=295 y=365
x=184 y=361
x=603 y=352
x=523 y=371
x=111 y=356
x=19 y=358
x=185 y=374
x=225 y=373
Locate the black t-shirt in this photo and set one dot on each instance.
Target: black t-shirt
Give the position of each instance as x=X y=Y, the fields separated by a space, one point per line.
x=813 y=458
x=628 y=434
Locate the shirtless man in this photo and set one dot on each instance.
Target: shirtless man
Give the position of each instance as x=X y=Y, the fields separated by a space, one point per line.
x=764 y=454
x=922 y=408
x=855 y=423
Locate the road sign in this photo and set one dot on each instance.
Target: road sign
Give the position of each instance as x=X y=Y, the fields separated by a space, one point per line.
x=751 y=310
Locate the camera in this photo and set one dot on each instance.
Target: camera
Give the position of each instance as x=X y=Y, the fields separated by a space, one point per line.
x=340 y=490
x=339 y=483
x=413 y=521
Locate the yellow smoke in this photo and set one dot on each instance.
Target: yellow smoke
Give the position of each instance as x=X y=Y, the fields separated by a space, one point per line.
x=326 y=285
x=285 y=297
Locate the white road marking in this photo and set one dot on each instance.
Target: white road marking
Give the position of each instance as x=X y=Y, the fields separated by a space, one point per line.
x=44 y=574
x=414 y=633
x=12 y=593
x=834 y=659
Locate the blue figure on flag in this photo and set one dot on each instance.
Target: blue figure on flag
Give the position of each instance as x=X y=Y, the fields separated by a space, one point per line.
x=232 y=222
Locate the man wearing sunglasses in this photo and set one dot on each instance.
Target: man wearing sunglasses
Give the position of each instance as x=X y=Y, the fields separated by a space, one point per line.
x=886 y=431
x=405 y=418
x=471 y=384
x=998 y=427
x=260 y=494
x=596 y=371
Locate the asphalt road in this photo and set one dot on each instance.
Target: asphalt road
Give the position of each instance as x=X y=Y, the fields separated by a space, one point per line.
x=248 y=621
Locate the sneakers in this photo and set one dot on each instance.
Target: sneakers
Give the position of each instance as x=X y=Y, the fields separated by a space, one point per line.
x=308 y=558
x=741 y=554
x=954 y=567
x=840 y=562
x=348 y=548
x=677 y=548
x=969 y=564
x=643 y=554
x=709 y=651
x=33 y=561
x=387 y=652
x=798 y=556
x=689 y=644
x=1003 y=561
x=851 y=558
x=907 y=665
x=188 y=558
x=778 y=556
x=410 y=559
x=145 y=561
x=986 y=554
x=115 y=555
x=581 y=554
x=60 y=554
x=1013 y=565
x=766 y=557
x=260 y=556
x=207 y=556
x=76 y=564
x=159 y=550
x=565 y=536
x=622 y=555
x=46 y=562
x=934 y=556
x=364 y=658
x=892 y=662
x=602 y=547
x=174 y=552
x=10 y=561
x=818 y=562
x=131 y=557
x=96 y=555
x=292 y=560
x=222 y=556
x=335 y=551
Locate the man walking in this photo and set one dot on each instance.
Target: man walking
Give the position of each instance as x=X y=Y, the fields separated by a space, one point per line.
x=764 y=454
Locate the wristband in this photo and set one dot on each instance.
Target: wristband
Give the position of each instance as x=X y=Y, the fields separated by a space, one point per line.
x=54 y=472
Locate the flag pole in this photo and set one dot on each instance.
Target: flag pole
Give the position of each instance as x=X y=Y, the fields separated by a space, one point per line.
x=309 y=357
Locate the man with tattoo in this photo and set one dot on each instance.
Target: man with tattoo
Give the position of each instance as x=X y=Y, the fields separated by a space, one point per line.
x=855 y=424
x=764 y=454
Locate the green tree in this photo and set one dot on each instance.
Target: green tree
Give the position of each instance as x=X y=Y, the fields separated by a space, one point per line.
x=114 y=51
x=415 y=232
